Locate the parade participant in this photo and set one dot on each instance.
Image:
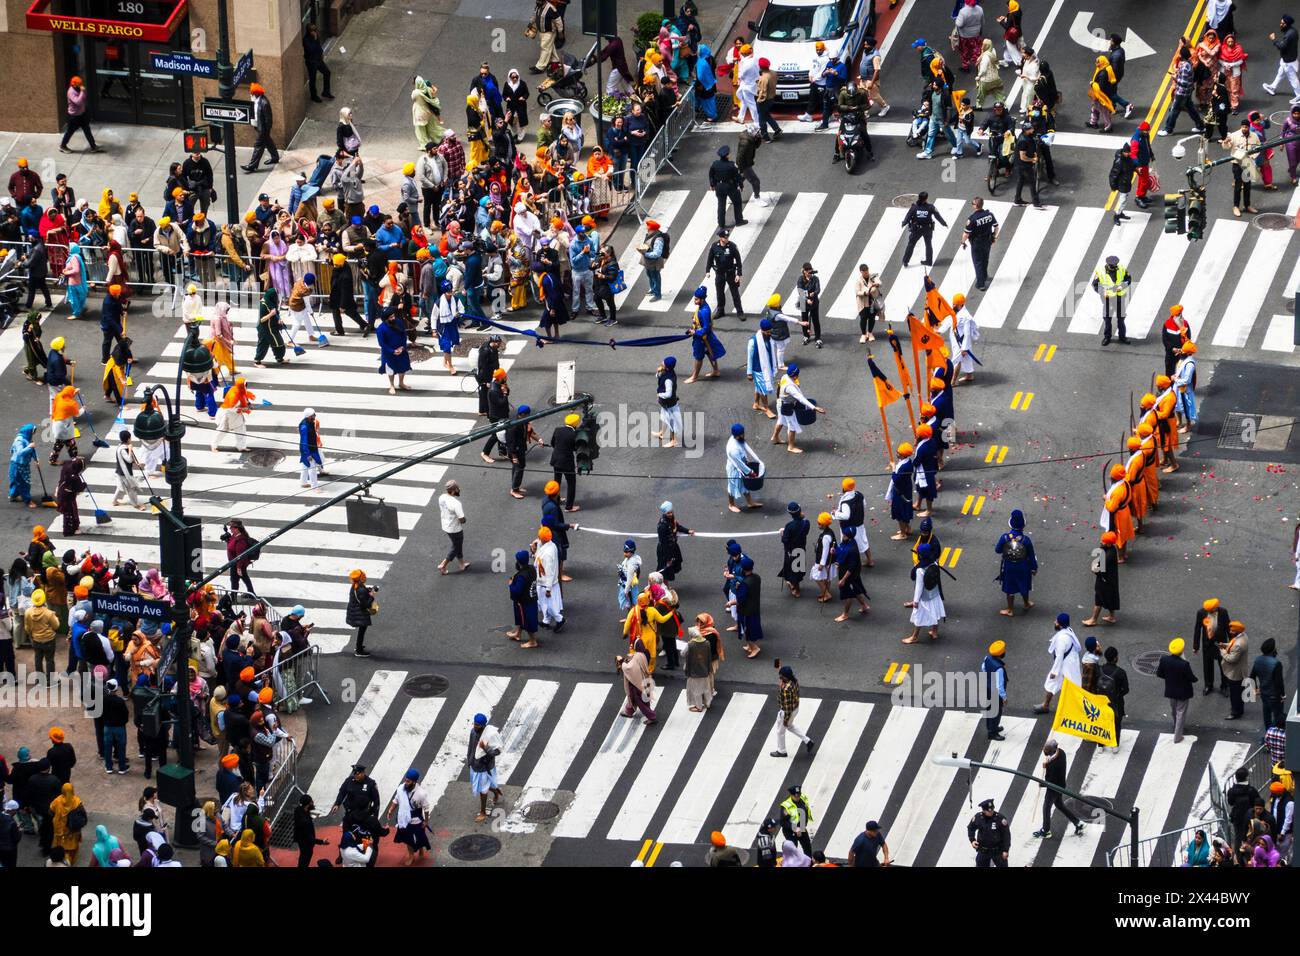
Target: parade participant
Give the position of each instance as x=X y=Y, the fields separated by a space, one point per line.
x=1112 y=282
x=1150 y=456
x=1115 y=514
x=203 y=386
x=222 y=343
x=519 y=437
x=787 y=699
x=638 y=685
x=1166 y=422
x=789 y=397
x=1105 y=589
x=63 y=418
x=550 y=600
x=1054 y=766
x=1174 y=334
x=899 y=493
x=995 y=666
x=724 y=264
x=564 y=463
x=641 y=624
x=33 y=349
x=1208 y=630
x=824 y=551
x=235 y=408
x=848 y=569
x=1019 y=565
x=127 y=467
x=1235 y=665
x=989 y=833
x=21 y=455
x=668 y=553
x=927 y=597
x=58 y=369
x=270 y=334
x=523 y=600
x=309 y=449
x=485 y=746
x=943 y=416
x=670 y=412
x=780 y=328
x=742 y=463
x=1066 y=652
x=447 y=313
x=553 y=518
x=794 y=547
x=851 y=512
x=747 y=601
x=76 y=276
x=1184 y=383
x=629 y=577
x=1177 y=674
x=926 y=469
x=963 y=335
x=71 y=483
x=394 y=360
x=704 y=344
x=1135 y=475
x=926 y=537
x=761 y=367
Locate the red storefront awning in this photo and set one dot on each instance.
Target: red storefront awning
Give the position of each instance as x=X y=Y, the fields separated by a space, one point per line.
x=39 y=18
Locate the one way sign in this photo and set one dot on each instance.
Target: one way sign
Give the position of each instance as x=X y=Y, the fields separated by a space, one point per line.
x=226 y=111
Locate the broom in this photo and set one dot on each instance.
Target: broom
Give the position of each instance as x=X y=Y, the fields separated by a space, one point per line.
x=46 y=500
x=76 y=432
x=120 y=420
x=101 y=516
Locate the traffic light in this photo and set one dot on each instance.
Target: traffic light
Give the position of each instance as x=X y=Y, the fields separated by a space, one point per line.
x=1175 y=213
x=1195 y=218
x=586 y=444
x=198 y=139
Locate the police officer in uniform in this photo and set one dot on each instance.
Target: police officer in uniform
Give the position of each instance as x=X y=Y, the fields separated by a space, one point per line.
x=981 y=232
x=919 y=222
x=724 y=179
x=765 y=848
x=796 y=814
x=1112 y=282
x=727 y=268
x=990 y=834
x=359 y=799
x=1026 y=151
x=489 y=360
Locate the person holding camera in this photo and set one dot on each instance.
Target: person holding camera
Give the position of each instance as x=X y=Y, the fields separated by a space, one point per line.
x=362 y=607
x=238 y=545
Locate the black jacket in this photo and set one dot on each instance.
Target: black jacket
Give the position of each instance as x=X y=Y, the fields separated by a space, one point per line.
x=1267 y=672
x=725 y=260
x=563 y=441
x=116 y=713
x=38 y=261
x=62 y=759
x=341 y=294
x=489 y=360
x=498 y=403
x=724 y=176
x=304 y=828
x=1178 y=677
x=1055 y=771
x=312 y=50
x=197 y=174
x=264 y=117
x=41 y=791
x=10 y=834
x=359 y=602
x=359 y=798
x=1221 y=620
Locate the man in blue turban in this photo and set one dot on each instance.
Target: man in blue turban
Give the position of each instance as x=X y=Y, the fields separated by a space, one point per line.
x=1018 y=563
x=704 y=344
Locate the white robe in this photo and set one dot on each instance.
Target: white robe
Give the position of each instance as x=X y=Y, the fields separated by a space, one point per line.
x=929 y=610
x=963 y=335
x=842 y=514
x=1065 y=650
x=791 y=391
x=550 y=607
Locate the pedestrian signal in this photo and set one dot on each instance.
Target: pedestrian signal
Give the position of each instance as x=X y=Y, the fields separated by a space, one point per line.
x=197 y=140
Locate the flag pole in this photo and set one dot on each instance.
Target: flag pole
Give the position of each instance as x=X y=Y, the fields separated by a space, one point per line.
x=889 y=446
x=916 y=353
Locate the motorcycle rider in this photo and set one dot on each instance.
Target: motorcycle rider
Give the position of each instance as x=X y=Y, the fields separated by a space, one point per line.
x=853 y=100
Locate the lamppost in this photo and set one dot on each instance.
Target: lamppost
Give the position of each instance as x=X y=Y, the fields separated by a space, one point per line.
x=180 y=542
x=226 y=90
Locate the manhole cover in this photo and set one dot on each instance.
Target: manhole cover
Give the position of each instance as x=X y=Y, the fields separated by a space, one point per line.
x=475 y=847
x=1253 y=431
x=419 y=353
x=1274 y=220
x=1147 y=663
x=265 y=457
x=905 y=200
x=540 y=810
x=1088 y=813
x=426 y=685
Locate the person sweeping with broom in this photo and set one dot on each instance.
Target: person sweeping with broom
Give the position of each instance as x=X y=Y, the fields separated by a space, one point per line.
x=21 y=454
x=71 y=484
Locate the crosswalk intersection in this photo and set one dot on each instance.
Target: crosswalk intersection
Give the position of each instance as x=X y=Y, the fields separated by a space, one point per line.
x=693 y=773
x=363 y=430
x=1234 y=285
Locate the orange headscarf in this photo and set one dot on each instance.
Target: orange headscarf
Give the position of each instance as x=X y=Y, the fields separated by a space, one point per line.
x=238 y=396
x=66 y=404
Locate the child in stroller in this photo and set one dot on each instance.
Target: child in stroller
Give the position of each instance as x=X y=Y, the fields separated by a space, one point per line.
x=920 y=125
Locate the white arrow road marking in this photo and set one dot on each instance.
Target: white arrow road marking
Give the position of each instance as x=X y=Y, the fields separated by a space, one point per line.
x=1098 y=40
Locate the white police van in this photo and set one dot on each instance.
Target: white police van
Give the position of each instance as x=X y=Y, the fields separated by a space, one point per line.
x=788 y=31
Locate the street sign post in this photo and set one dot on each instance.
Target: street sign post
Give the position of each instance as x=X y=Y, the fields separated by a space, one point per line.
x=180 y=62
x=226 y=111
x=129 y=605
x=242 y=67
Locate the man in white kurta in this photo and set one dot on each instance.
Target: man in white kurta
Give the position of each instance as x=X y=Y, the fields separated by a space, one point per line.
x=851 y=514
x=550 y=602
x=1065 y=651
x=962 y=337
x=747 y=88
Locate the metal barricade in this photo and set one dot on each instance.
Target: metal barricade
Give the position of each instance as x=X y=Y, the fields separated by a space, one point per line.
x=282 y=791
x=1259 y=769
x=1217 y=802
x=291 y=677
x=1166 y=849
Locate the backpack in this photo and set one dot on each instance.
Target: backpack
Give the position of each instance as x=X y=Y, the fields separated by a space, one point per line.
x=1105 y=683
x=931 y=577
x=1016 y=550
x=252 y=550
x=668 y=243
x=77 y=819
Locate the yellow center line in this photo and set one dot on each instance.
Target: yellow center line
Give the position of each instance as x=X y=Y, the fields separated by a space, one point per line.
x=993 y=450
x=944 y=556
x=645 y=848
x=889 y=674
x=902 y=673
x=1038 y=356
x=1003 y=453
x=965 y=508
x=1050 y=352
x=655 y=855
x=1156 y=114
x=1029 y=397
x=956 y=553
x=979 y=504
x=1015 y=401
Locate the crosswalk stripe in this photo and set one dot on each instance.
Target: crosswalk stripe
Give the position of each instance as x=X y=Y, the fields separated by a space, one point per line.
x=1121 y=243
x=1225 y=758
x=525 y=717
x=683 y=257
x=603 y=772
x=1058 y=282
x=743 y=237
x=765 y=779
x=1102 y=779
x=373 y=400
x=960 y=276
x=832 y=757
x=690 y=811
x=1007 y=278
x=565 y=741
x=657 y=769
x=911 y=823
x=989 y=785
x=1149 y=291
x=254 y=488
x=404 y=745
x=872 y=790
x=1211 y=267
x=450 y=760
x=1280 y=335
x=764 y=278
x=1160 y=776
x=356 y=733
x=663 y=210
x=1253 y=288
x=835 y=240
x=1028 y=815
x=907 y=288
x=876 y=253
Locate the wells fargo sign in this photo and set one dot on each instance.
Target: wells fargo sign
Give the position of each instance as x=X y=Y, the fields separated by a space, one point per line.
x=38 y=18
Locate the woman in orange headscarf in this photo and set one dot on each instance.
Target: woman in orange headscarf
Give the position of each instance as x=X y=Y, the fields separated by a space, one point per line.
x=642 y=623
x=62 y=809
x=235 y=407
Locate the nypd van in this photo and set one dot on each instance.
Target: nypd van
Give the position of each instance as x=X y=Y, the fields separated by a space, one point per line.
x=788 y=31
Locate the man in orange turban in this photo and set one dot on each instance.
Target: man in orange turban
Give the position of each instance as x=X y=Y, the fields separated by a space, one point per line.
x=1105 y=588
x=262 y=122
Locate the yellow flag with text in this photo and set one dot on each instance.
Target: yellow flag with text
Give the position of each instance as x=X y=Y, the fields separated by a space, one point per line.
x=1085 y=715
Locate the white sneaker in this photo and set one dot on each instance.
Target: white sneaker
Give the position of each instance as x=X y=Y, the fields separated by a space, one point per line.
x=805 y=117
x=1163 y=132
x=923 y=155
x=883 y=112
x=1128 y=111
x=1268 y=89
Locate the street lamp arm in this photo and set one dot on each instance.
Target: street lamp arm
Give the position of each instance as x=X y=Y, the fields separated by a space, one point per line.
x=579 y=401
x=1194 y=171
x=977 y=765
